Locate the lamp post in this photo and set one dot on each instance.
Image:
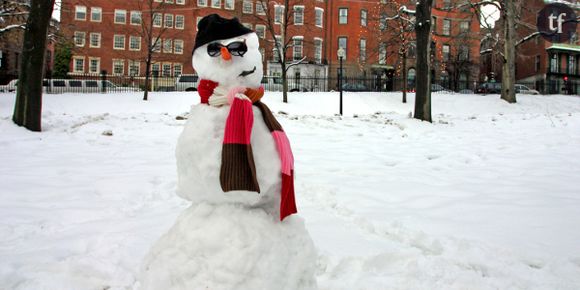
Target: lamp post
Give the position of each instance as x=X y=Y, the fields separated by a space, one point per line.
x=341 y=55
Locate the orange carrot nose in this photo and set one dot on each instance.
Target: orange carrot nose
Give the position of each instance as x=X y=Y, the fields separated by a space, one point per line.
x=225 y=53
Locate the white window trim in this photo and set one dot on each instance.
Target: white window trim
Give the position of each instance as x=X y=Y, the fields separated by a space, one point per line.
x=114 y=42
x=133 y=62
x=183 y=21
x=100 y=13
x=165 y=24
x=321 y=49
x=91 y=37
x=177 y=65
x=218 y=6
x=167 y=40
x=160 y=19
x=131 y=17
x=233 y=5
x=244 y=6
x=263 y=12
x=76 y=12
x=321 y=20
x=202 y=5
x=261 y=25
x=83 y=38
x=182 y=46
x=98 y=59
x=294 y=16
x=75 y=64
x=122 y=67
x=139 y=42
x=180 y=2
x=300 y=37
x=282 y=16
x=115 y=16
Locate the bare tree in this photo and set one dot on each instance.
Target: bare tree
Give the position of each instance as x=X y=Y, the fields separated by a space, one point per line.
x=28 y=106
x=13 y=15
x=423 y=36
x=279 y=21
x=151 y=31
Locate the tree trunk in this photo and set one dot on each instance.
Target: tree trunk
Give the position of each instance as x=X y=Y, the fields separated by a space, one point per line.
x=423 y=84
x=508 y=76
x=147 y=73
x=28 y=107
x=284 y=83
x=404 y=55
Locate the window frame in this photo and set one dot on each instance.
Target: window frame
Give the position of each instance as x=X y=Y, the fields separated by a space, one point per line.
x=77 y=11
x=341 y=17
x=100 y=13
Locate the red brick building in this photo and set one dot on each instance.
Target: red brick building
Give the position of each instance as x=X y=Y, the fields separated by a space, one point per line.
x=548 y=67
x=109 y=36
x=379 y=45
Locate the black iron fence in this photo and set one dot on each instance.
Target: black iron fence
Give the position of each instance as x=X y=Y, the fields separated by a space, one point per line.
x=105 y=83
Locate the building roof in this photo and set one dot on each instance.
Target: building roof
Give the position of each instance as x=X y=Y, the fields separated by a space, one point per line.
x=565 y=47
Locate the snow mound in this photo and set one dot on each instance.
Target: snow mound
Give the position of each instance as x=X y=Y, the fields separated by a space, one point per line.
x=231 y=247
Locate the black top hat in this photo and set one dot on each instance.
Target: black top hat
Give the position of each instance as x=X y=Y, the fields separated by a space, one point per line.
x=214 y=27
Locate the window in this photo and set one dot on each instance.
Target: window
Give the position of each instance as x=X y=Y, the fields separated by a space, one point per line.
x=79 y=38
x=261 y=31
x=554 y=63
x=342 y=15
x=180 y=2
x=167 y=45
x=434 y=25
x=247 y=25
x=95 y=39
x=446 y=26
x=463 y=53
x=464 y=26
x=202 y=3
x=229 y=4
x=445 y=51
x=446 y=4
x=118 y=66
x=120 y=16
x=383 y=21
x=297 y=47
x=216 y=3
x=318 y=50
x=260 y=9
x=96 y=14
x=79 y=64
x=363 y=18
x=177 y=69
x=537 y=63
x=94 y=65
x=119 y=41
x=168 y=20
x=179 y=21
x=262 y=53
x=135 y=17
x=134 y=68
x=382 y=53
x=275 y=52
x=278 y=13
x=362 y=46
x=80 y=12
x=571 y=64
x=155 y=69
x=319 y=15
x=248 y=7
x=178 y=46
x=342 y=43
x=157 y=19
x=298 y=15
x=166 y=70
x=134 y=43
x=169 y=1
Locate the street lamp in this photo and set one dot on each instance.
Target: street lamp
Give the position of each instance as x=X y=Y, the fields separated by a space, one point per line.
x=341 y=55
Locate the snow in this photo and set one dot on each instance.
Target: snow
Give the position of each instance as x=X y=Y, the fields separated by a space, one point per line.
x=485 y=197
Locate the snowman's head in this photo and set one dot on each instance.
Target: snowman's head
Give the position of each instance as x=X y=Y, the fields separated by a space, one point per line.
x=227 y=52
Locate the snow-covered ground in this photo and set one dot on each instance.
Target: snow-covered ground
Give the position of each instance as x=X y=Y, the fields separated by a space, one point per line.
x=485 y=197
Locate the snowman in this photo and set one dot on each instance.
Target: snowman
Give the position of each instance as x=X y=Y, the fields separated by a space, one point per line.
x=235 y=165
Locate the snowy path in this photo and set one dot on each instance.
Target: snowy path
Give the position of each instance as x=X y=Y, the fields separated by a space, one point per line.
x=484 y=198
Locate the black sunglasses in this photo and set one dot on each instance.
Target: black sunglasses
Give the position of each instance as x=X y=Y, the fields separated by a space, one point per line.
x=238 y=48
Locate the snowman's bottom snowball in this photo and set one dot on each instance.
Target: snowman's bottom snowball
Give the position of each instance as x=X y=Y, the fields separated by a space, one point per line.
x=231 y=246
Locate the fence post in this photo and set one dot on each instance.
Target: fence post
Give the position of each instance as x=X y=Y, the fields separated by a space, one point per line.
x=47 y=81
x=103 y=81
